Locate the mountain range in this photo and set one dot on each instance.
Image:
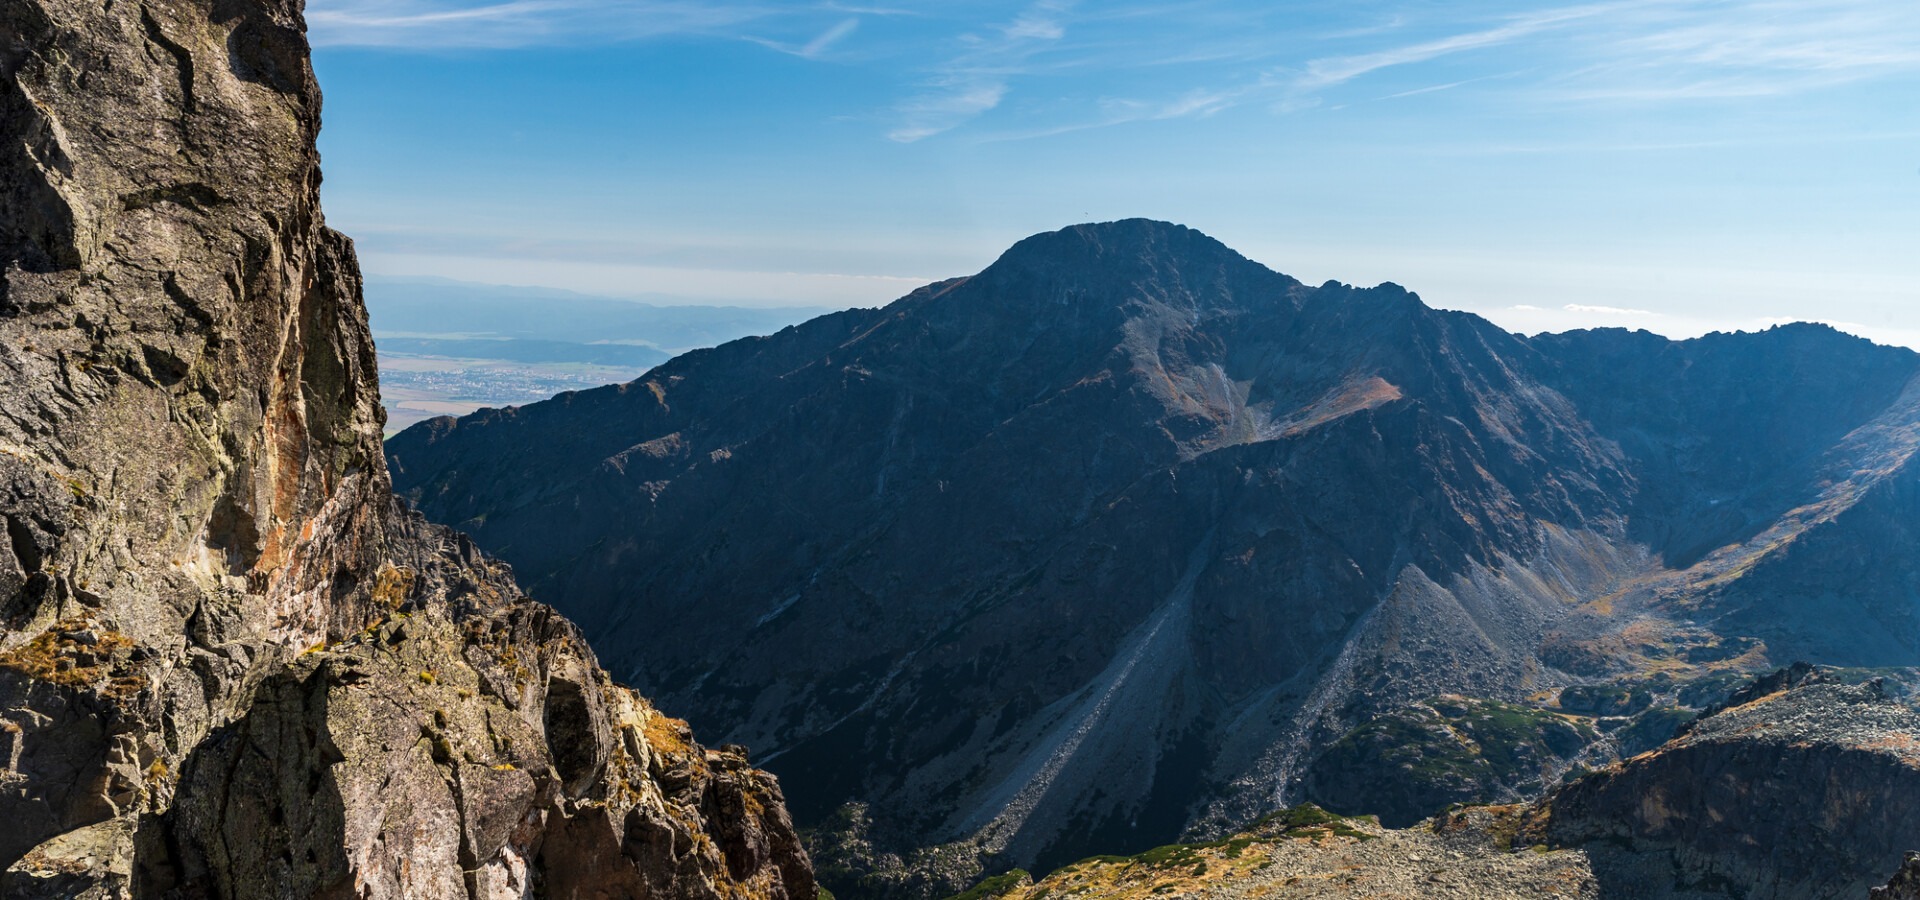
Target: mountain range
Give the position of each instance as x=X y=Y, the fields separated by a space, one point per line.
x=1128 y=537
x=1123 y=540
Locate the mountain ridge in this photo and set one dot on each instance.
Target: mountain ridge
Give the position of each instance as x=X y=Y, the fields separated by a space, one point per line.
x=1129 y=508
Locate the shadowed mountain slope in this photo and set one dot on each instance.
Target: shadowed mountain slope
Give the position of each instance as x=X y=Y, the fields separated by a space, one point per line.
x=1112 y=539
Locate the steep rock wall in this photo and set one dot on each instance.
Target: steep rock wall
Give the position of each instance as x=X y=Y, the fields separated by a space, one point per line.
x=1801 y=788
x=230 y=664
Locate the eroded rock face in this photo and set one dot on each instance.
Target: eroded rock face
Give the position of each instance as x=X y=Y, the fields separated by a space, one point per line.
x=1905 y=884
x=230 y=663
x=1801 y=788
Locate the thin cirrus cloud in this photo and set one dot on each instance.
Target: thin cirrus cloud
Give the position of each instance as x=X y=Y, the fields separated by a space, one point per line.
x=1331 y=71
x=1654 y=51
x=1638 y=51
x=1608 y=310
x=433 y=24
x=1079 y=68
x=974 y=81
x=948 y=102
x=1587 y=309
x=818 y=46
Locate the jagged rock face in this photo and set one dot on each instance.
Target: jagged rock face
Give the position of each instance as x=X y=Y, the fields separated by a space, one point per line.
x=1111 y=540
x=1905 y=884
x=1802 y=788
x=230 y=664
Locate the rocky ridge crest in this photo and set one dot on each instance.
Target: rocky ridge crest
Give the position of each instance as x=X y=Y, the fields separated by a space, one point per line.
x=1800 y=786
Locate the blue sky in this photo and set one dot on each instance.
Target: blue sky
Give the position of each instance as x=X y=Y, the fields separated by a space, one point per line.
x=1678 y=165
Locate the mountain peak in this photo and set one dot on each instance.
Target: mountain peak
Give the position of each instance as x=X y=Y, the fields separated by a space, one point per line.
x=1120 y=241
x=1128 y=260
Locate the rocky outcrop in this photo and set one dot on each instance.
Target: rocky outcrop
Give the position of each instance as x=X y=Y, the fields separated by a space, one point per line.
x=231 y=665
x=1905 y=884
x=1802 y=787
x=1305 y=854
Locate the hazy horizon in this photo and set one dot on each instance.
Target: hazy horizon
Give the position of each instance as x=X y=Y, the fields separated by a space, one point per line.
x=1676 y=165
x=1514 y=319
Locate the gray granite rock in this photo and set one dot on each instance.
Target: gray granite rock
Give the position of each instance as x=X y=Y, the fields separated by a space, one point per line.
x=231 y=664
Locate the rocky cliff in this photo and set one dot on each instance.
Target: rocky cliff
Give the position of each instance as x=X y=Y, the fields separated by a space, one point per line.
x=1119 y=539
x=1801 y=788
x=1905 y=884
x=231 y=665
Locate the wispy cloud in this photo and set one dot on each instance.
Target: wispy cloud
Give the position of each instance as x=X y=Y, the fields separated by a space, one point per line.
x=1696 y=51
x=1429 y=89
x=819 y=45
x=1040 y=23
x=1607 y=310
x=425 y=24
x=948 y=102
x=953 y=64
x=829 y=37
x=1580 y=312
x=976 y=79
x=1330 y=71
x=1120 y=111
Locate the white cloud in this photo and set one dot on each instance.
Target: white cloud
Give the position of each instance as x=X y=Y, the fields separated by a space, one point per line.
x=829 y=37
x=946 y=106
x=424 y=24
x=1330 y=71
x=1034 y=27
x=955 y=63
x=1607 y=310
x=816 y=47
x=1658 y=50
x=1705 y=50
x=975 y=80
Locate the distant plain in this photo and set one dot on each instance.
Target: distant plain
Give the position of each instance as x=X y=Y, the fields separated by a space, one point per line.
x=518 y=345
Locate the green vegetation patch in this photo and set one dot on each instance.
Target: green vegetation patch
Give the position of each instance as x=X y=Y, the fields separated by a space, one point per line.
x=1305 y=821
x=997 y=886
x=1414 y=762
x=1652 y=728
